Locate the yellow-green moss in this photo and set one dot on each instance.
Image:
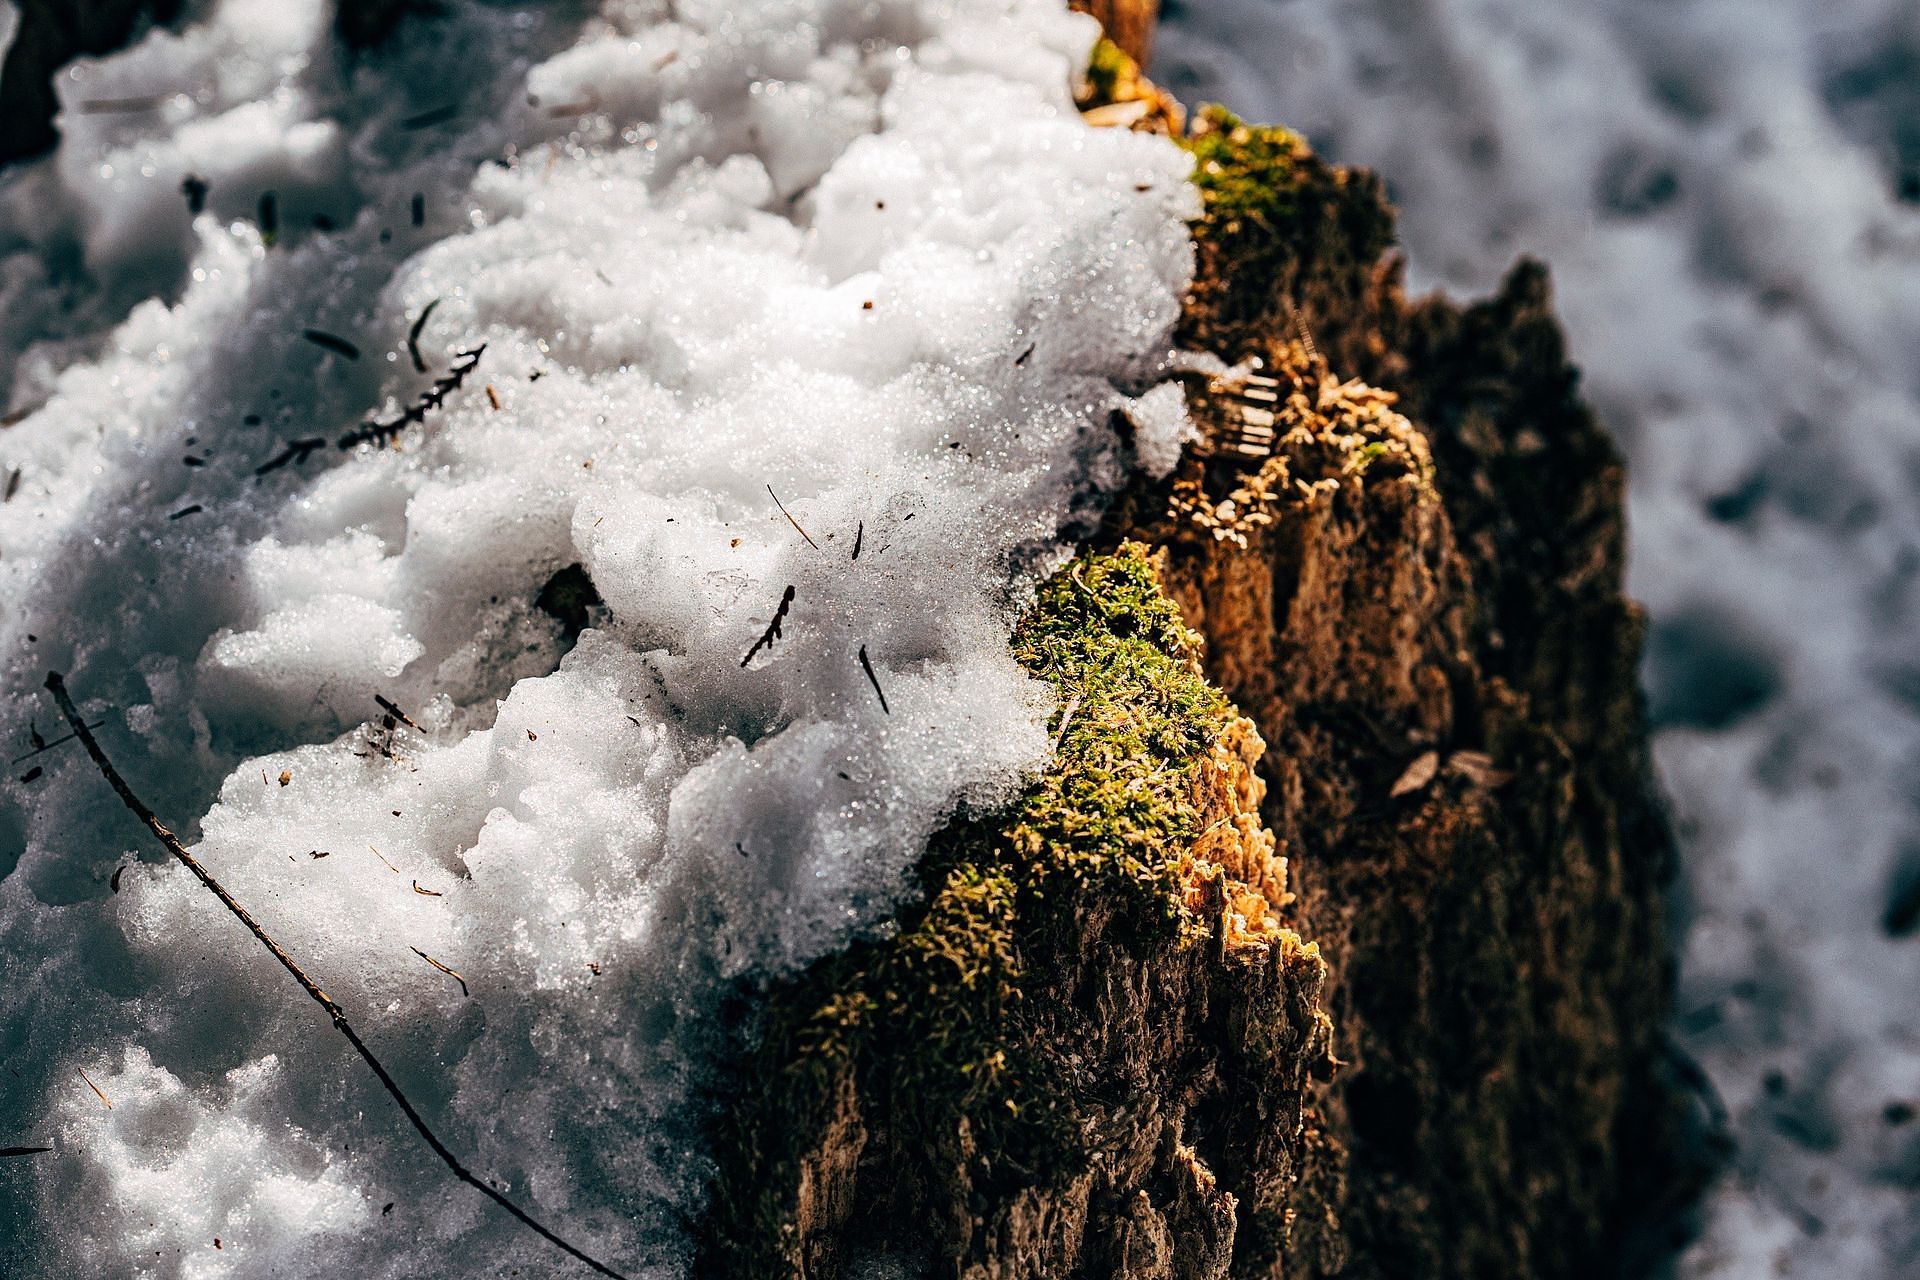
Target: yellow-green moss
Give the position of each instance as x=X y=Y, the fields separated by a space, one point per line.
x=928 y=1020
x=1113 y=811
x=1108 y=68
x=1280 y=226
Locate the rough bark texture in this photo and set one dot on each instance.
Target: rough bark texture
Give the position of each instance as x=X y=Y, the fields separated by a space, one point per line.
x=1089 y=1053
x=1128 y=23
x=1426 y=622
x=1403 y=548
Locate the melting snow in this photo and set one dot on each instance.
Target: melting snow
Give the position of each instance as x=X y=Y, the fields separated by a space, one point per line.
x=781 y=248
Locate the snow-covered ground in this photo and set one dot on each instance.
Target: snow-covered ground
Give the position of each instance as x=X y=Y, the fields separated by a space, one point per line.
x=1726 y=192
x=859 y=255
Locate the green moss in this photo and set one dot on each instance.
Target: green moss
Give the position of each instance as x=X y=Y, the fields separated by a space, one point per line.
x=1257 y=174
x=1279 y=224
x=1113 y=813
x=929 y=1021
x=1108 y=68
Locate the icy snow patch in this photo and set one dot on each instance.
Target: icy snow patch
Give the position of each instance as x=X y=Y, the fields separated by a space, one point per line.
x=776 y=253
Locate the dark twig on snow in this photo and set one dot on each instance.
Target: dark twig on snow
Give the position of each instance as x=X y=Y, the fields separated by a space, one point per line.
x=40 y=744
x=296 y=452
x=772 y=632
x=413 y=334
x=379 y=433
x=450 y=972
x=394 y=711
x=430 y=117
x=57 y=685
x=332 y=342
x=874 y=680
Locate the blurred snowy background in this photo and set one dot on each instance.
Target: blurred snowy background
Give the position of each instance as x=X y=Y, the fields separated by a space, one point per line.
x=1729 y=196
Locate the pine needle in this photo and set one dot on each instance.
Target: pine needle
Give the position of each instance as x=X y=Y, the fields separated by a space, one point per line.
x=451 y=973
x=874 y=680
x=790 y=520
x=96 y=1089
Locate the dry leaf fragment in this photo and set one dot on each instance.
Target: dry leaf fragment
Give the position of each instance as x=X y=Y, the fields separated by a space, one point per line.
x=1118 y=115
x=1478 y=769
x=1418 y=774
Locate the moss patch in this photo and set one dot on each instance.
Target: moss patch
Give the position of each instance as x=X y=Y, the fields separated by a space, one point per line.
x=1109 y=71
x=1283 y=233
x=929 y=1022
x=1113 y=814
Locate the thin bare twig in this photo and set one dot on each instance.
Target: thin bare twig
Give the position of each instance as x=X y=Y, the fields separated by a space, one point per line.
x=384 y=432
x=331 y=342
x=1066 y=717
x=394 y=711
x=58 y=686
x=296 y=452
x=50 y=745
x=413 y=334
x=772 y=632
x=96 y=1089
x=790 y=520
x=874 y=680
x=450 y=972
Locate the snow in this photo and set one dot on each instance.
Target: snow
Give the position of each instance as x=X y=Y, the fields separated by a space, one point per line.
x=786 y=254
x=1726 y=194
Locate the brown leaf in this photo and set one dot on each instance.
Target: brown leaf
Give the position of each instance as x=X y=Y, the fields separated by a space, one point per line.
x=1418 y=774
x=1477 y=768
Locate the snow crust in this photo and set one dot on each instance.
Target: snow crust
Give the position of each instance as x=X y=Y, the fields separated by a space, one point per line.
x=1726 y=193
x=859 y=255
